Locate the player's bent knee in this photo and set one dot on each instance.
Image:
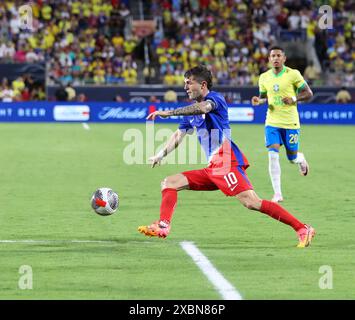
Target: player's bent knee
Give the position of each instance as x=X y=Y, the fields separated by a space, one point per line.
x=172 y=182
x=163 y=184
x=252 y=205
x=246 y=202
x=168 y=183
x=250 y=200
x=248 y=205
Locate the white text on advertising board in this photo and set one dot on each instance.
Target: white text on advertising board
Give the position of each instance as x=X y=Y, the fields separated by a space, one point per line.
x=241 y=114
x=71 y=113
x=122 y=113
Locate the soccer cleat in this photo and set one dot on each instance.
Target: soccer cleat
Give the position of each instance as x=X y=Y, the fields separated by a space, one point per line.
x=305 y=236
x=159 y=229
x=303 y=166
x=277 y=197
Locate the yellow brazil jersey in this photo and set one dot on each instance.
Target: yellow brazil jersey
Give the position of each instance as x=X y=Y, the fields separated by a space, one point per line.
x=287 y=83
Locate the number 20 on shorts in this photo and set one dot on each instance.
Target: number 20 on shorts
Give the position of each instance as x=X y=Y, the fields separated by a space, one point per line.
x=293 y=138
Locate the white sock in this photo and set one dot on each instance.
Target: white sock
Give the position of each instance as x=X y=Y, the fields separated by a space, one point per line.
x=299 y=159
x=275 y=171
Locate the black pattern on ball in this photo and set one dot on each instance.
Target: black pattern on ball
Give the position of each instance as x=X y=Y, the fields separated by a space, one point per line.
x=112 y=198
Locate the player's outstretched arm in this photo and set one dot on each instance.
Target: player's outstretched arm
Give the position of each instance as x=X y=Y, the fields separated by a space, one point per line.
x=172 y=144
x=153 y=115
x=193 y=109
x=202 y=107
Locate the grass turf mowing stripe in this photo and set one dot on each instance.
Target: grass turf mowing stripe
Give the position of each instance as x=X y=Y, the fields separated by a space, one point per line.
x=31 y=241
x=223 y=286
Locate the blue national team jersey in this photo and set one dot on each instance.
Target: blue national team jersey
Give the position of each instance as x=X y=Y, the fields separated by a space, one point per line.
x=213 y=129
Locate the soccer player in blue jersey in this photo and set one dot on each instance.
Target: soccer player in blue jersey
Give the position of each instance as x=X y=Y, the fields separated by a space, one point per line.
x=227 y=164
x=282 y=87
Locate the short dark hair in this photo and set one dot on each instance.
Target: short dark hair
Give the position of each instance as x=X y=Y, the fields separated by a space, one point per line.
x=200 y=73
x=276 y=48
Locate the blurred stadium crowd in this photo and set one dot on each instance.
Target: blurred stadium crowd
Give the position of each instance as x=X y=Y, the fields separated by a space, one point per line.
x=90 y=42
x=233 y=37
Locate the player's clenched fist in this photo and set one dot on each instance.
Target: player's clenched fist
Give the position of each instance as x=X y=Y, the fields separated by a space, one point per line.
x=255 y=101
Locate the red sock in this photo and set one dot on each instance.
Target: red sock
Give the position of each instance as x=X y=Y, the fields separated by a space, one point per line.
x=168 y=203
x=275 y=211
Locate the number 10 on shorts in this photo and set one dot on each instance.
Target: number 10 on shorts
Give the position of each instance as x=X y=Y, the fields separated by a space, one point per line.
x=231 y=179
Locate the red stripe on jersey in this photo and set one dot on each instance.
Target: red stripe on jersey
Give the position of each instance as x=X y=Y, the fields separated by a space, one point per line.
x=227 y=157
x=152 y=109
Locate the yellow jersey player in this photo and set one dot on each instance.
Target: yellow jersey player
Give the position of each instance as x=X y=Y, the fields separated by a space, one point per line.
x=282 y=87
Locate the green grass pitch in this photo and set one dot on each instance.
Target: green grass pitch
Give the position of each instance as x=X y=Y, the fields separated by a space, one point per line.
x=49 y=171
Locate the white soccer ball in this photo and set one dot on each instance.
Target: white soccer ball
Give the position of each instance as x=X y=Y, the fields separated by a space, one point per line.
x=105 y=201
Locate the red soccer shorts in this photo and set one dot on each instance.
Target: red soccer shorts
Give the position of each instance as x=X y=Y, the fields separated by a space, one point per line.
x=230 y=181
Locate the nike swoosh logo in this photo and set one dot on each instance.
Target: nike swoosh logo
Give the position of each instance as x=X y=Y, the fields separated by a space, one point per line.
x=234 y=187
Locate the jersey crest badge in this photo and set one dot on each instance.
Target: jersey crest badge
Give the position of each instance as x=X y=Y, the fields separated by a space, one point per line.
x=276 y=87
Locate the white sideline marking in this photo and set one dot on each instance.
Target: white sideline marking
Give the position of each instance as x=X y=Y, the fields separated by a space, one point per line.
x=31 y=241
x=223 y=286
x=86 y=126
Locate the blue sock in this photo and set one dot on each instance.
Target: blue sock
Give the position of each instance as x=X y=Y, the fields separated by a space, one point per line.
x=291 y=157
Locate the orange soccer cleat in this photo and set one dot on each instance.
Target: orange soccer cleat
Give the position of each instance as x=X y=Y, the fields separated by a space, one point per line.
x=159 y=229
x=305 y=236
